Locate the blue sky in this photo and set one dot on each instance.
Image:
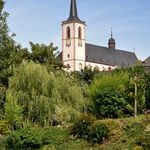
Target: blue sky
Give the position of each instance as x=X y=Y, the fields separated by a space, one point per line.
x=40 y=21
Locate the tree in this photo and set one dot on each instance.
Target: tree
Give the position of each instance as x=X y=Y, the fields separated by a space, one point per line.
x=147 y=90
x=11 y=54
x=136 y=74
x=109 y=95
x=45 y=54
x=41 y=95
x=7 y=47
x=87 y=74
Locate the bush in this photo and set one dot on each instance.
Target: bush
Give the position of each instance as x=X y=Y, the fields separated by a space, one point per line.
x=144 y=141
x=85 y=128
x=34 y=138
x=110 y=103
x=4 y=129
x=114 y=126
x=109 y=95
x=24 y=139
x=98 y=133
x=81 y=127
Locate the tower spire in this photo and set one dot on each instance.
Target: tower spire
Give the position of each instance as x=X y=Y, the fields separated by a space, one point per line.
x=73 y=9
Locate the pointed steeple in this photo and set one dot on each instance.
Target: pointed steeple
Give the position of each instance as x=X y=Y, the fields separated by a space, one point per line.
x=73 y=9
x=73 y=12
x=73 y=17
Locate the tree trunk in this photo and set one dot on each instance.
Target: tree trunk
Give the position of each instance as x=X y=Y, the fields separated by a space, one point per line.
x=135 y=100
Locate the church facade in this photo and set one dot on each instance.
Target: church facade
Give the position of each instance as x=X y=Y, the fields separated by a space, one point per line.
x=77 y=54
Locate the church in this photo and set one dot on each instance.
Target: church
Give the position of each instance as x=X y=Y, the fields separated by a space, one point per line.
x=77 y=54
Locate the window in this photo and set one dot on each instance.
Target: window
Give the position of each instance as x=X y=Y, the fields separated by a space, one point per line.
x=68 y=56
x=68 y=32
x=109 y=68
x=68 y=66
x=80 y=66
x=79 y=33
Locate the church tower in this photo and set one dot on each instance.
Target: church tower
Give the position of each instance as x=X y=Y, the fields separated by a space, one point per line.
x=111 y=42
x=73 y=40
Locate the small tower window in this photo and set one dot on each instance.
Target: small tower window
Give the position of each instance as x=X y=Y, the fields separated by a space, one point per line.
x=68 y=66
x=79 y=33
x=68 y=32
x=68 y=56
x=80 y=66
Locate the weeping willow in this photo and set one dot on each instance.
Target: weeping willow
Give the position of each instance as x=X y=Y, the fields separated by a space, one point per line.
x=38 y=95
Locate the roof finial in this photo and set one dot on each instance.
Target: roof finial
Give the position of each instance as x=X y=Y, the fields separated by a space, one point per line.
x=111 y=33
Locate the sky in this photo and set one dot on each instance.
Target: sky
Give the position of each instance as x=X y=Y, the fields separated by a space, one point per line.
x=39 y=21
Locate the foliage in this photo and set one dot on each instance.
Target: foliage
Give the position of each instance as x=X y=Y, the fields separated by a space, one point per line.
x=37 y=95
x=111 y=104
x=115 y=126
x=85 y=128
x=136 y=74
x=8 y=48
x=4 y=128
x=109 y=96
x=81 y=127
x=44 y=139
x=135 y=135
x=143 y=141
x=87 y=75
x=45 y=54
x=147 y=90
x=10 y=54
x=99 y=133
x=66 y=114
x=2 y=100
x=79 y=144
x=13 y=113
x=33 y=138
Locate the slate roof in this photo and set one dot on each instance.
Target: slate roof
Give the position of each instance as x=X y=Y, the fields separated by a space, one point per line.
x=147 y=62
x=112 y=57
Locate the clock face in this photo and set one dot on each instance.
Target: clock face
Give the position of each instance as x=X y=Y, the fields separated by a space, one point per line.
x=68 y=43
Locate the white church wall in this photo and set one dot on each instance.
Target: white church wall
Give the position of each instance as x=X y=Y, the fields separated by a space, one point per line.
x=100 y=67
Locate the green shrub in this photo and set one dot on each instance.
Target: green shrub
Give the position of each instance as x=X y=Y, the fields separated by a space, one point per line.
x=98 y=133
x=81 y=127
x=114 y=126
x=144 y=141
x=35 y=138
x=4 y=129
x=110 y=96
x=24 y=139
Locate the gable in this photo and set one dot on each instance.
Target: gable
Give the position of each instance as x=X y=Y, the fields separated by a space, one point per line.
x=147 y=62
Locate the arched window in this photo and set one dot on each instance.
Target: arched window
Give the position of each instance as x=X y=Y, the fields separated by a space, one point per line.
x=68 y=32
x=109 y=68
x=79 y=33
